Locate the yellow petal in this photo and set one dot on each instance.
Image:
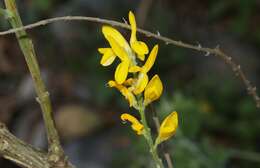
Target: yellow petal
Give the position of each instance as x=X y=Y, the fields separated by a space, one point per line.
x=121 y=72
x=153 y=90
x=125 y=92
x=129 y=82
x=117 y=49
x=133 y=26
x=140 y=48
x=141 y=57
x=168 y=127
x=110 y=31
x=151 y=59
x=136 y=125
x=134 y=69
x=108 y=56
x=129 y=96
x=141 y=83
x=111 y=83
x=102 y=50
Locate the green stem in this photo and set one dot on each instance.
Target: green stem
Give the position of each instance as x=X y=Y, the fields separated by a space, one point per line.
x=148 y=136
x=26 y=45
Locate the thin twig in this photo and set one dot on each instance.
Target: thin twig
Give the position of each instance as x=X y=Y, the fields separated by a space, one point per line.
x=207 y=51
x=168 y=160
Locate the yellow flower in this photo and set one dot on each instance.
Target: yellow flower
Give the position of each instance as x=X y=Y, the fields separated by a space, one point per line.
x=153 y=90
x=108 y=56
x=136 y=125
x=112 y=32
x=142 y=79
x=125 y=92
x=168 y=127
x=139 y=47
x=120 y=48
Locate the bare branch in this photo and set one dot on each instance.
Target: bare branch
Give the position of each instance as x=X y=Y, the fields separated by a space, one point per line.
x=19 y=152
x=56 y=156
x=207 y=51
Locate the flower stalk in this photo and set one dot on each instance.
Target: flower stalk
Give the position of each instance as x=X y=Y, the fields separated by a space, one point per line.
x=148 y=136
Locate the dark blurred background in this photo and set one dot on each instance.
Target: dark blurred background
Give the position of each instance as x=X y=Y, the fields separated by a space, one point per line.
x=219 y=123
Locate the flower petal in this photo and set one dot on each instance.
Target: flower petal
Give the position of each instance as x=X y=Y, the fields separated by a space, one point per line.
x=132 y=21
x=117 y=49
x=168 y=127
x=153 y=90
x=129 y=82
x=110 y=31
x=136 y=125
x=102 y=50
x=121 y=72
x=134 y=69
x=125 y=92
x=140 y=48
x=140 y=83
x=108 y=56
x=151 y=59
x=129 y=96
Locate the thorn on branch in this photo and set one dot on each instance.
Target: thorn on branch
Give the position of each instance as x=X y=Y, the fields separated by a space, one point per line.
x=199 y=46
x=180 y=42
x=124 y=20
x=158 y=33
x=207 y=53
x=229 y=58
x=251 y=90
x=236 y=68
x=43 y=97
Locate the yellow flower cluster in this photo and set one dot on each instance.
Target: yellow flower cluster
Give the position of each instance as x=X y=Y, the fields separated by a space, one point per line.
x=139 y=82
x=129 y=78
